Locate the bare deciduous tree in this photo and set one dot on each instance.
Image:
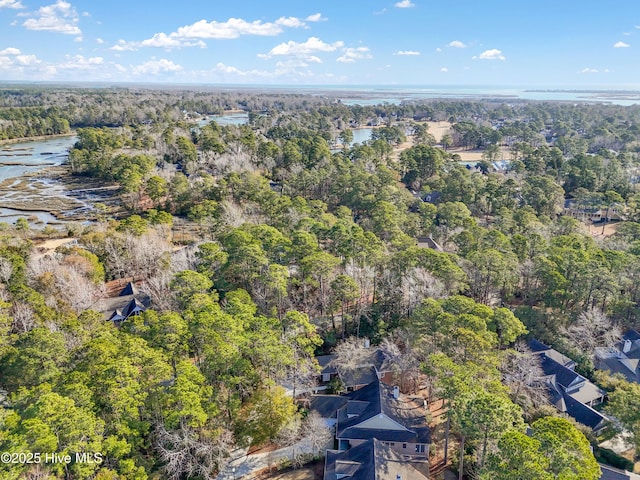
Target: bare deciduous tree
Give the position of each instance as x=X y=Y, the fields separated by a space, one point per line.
x=6 y=270
x=351 y=355
x=522 y=373
x=317 y=432
x=593 y=329
x=23 y=318
x=401 y=358
x=186 y=454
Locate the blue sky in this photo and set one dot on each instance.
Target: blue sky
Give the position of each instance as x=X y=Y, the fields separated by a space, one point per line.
x=560 y=43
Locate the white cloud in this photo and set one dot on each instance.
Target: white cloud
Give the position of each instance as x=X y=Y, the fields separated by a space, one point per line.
x=316 y=17
x=292 y=63
x=232 y=28
x=78 y=39
x=26 y=60
x=589 y=70
x=123 y=46
x=162 y=40
x=304 y=49
x=404 y=4
x=380 y=12
x=228 y=69
x=194 y=34
x=155 y=67
x=493 y=54
x=444 y=69
x=438 y=49
x=291 y=22
x=10 y=51
x=59 y=17
x=621 y=45
x=456 y=44
x=79 y=62
x=99 y=41
x=350 y=55
x=11 y=4
x=407 y=53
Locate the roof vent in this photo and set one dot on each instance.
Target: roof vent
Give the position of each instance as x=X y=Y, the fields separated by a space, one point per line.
x=627 y=346
x=396 y=392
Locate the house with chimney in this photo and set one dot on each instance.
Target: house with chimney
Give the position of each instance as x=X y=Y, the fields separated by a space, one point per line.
x=622 y=358
x=380 y=434
x=377 y=411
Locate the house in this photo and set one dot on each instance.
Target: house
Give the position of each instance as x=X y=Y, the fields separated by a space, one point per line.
x=374 y=368
x=590 y=211
x=569 y=392
x=123 y=302
x=377 y=411
x=429 y=242
x=372 y=460
x=622 y=358
x=610 y=473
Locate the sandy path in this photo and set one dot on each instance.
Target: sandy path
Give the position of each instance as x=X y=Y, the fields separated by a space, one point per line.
x=49 y=246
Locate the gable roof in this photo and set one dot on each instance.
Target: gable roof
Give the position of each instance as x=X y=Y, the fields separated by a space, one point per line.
x=569 y=391
x=129 y=289
x=372 y=460
x=327 y=405
x=539 y=347
x=373 y=412
x=616 y=360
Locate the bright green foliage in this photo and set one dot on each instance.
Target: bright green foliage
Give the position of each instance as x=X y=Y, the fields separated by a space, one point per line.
x=268 y=410
x=188 y=283
x=624 y=405
x=188 y=401
x=518 y=457
x=37 y=357
x=53 y=423
x=567 y=449
x=134 y=224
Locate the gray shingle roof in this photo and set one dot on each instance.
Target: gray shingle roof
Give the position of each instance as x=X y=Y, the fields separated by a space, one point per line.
x=376 y=400
x=372 y=461
x=610 y=473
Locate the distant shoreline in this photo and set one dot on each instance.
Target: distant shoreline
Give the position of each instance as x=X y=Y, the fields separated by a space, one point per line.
x=11 y=141
x=616 y=92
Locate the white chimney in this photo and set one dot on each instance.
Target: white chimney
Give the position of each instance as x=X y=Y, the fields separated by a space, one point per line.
x=627 y=346
x=396 y=392
x=367 y=343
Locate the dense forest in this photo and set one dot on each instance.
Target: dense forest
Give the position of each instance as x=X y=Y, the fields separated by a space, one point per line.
x=263 y=245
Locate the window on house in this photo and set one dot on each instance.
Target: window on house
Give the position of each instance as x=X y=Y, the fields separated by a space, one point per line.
x=419 y=448
x=404 y=445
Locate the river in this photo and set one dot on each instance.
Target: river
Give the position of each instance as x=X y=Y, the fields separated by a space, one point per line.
x=23 y=194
